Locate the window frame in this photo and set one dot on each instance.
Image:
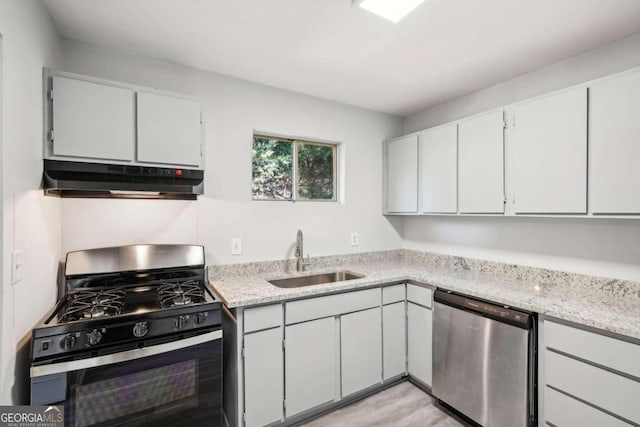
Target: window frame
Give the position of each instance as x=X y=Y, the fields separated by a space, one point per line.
x=295 y=142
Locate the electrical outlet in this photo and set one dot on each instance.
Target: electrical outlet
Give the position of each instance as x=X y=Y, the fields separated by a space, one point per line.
x=236 y=246
x=16 y=267
x=355 y=240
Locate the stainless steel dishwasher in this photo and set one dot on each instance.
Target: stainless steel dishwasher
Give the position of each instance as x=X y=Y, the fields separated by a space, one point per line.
x=484 y=360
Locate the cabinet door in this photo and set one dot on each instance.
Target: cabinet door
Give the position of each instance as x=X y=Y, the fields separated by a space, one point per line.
x=169 y=130
x=92 y=120
x=419 y=335
x=394 y=339
x=263 y=377
x=550 y=154
x=481 y=164
x=438 y=170
x=402 y=174
x=310 y=364
x=361 y=350
x=614 y=140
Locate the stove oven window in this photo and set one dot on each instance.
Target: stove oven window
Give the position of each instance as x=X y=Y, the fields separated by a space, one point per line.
x=166 y=389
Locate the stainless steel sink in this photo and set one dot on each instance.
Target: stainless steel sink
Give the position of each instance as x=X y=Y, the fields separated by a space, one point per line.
x=316 y=279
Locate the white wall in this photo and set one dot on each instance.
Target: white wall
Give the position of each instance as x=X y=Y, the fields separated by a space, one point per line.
x=31 y=222
x=598 y=246
x=234 y=108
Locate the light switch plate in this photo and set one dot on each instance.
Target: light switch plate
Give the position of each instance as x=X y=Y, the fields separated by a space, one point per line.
x=236 y=246
x=16 y=267
x=355 y=240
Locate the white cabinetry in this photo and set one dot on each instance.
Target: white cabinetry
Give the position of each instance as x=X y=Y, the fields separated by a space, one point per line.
x=438 y=170
x=394 y=333
x=95 y=120
x=481 y=164
x=92 y=120
x=402 y=174
x=303 y=356
x=550 y=154
x=310 y=364
x=419 y=333
x=360 y=350
x=263 y=372
x=572 y=153
x=595 y=376
x=169 y=130
x=614 y=144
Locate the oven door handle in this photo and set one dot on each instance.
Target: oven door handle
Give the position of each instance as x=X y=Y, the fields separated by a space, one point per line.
x=124 y=356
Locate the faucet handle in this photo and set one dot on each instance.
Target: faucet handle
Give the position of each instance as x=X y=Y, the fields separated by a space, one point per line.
x=307 y=262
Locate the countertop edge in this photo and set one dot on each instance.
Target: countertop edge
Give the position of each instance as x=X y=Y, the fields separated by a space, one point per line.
x=614 y=327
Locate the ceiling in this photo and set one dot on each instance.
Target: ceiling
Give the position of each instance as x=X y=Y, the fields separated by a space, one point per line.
x=327 y=48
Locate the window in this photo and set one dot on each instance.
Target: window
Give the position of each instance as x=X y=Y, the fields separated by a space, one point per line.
x=288 y=169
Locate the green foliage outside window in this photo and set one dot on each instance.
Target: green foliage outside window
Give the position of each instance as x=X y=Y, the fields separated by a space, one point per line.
x=315 y=171
x=272 y=171
x=280 y=163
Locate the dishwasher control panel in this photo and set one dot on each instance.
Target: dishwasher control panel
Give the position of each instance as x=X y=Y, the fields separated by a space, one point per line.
x=500 y=312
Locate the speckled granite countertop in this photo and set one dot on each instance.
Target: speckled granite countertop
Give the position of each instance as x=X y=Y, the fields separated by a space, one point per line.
x=608 y=304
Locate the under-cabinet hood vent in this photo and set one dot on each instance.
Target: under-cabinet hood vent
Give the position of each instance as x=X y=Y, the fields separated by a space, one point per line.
x=99 y=180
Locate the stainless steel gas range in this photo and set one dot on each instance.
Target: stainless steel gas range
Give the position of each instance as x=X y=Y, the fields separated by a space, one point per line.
x=135 y=340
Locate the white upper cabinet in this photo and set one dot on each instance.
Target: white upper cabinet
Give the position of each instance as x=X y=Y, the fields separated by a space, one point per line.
x=402 y=175
x=438 y=169
x=614 y=134
x=169 y=130
x=550 y=154
x=481 y=164
x=91 y=120
x=94 y=120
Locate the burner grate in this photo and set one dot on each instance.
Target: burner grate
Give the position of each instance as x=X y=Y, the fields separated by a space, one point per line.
x=93 y=304
x=180 y=294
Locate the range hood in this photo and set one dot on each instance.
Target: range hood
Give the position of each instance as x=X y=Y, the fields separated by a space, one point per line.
x=101 y=180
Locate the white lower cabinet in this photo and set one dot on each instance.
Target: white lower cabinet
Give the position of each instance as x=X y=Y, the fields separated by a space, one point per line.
x=360 y=350
x=564 y=411
x=394 y=339
x=419 y=336
x=263 y=371
x=311 y=353
x=589 y=379
x=310 y=364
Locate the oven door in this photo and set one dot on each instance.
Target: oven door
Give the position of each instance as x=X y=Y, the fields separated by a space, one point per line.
x=178 y=383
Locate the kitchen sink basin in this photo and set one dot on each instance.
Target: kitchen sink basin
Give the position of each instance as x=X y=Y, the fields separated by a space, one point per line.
x=316 y=279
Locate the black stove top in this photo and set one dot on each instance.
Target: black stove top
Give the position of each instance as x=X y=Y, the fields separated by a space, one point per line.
x=104 y=309
x=92 y=304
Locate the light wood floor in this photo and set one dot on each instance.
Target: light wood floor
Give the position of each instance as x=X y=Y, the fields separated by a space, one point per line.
x=403 y=405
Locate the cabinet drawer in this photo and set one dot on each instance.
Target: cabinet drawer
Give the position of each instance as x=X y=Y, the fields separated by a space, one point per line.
x=610 y=352
x=419 y=295
x=332 y=305
x=393 y=293
x=606 y=390
x=264 y=317
x=563 y=410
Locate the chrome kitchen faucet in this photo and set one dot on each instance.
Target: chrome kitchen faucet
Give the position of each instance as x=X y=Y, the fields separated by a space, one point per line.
x=301 y=263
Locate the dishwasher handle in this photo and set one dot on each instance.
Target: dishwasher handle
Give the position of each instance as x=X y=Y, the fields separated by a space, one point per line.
x=501 y=313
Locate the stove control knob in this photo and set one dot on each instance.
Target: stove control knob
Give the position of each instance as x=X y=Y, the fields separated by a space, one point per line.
x=68 y=342
x=140 y=329
x=180 y=321
x=200 y=318
x=94 y=337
